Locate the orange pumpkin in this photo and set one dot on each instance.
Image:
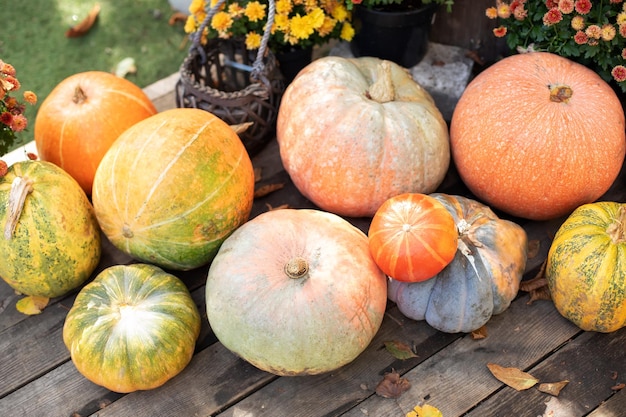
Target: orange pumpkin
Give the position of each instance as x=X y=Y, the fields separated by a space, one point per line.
x=82 y=116
x=412 y=237
x=354 y=132
x=537 y=135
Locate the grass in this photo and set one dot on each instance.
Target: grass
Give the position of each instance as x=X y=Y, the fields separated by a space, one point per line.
x=32 y=39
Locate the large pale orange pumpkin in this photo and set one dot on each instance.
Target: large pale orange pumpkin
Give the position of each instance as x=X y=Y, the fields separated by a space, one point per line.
x=354 y=132
x=296 y=292
x=537 y=135
x=82 y=116
x=173 y=187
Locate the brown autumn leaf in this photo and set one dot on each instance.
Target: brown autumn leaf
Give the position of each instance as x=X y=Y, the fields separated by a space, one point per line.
x=257 y=174
x=552 y=388
x=399 y=350
x=618 y=387
x=513 y=377
x=537 y=287
x=282 y=206
x=267 y=189
x=392 y=385
x=85 y=25
x=533 y=248
x=479 y=333
x=32 y=304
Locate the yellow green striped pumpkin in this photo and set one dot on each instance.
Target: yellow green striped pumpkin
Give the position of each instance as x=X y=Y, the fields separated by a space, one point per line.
x=134 y=327
x=172 y=187
x=50 y=240
x=586 y=265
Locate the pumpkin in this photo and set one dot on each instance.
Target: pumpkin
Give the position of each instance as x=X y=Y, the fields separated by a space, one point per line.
x=354 y=132
x=296 y=292
x=50 y=240
x=173 y=187
x=82 y=116
x=537 y=135
x=482 y=279
x=585 y=268
x=412 y=237
x=132 y=328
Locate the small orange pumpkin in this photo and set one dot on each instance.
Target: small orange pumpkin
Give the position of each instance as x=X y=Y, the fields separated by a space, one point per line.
x=82 y=116
x=537 y=135
x=412 y=237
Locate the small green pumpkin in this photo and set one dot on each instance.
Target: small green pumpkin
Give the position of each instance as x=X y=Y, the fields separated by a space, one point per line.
x=50 y=240
x=586 y=267
x=133 y=328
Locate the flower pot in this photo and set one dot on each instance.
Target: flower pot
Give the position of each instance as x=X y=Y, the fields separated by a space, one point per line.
x=398 y=36
x=292 y=60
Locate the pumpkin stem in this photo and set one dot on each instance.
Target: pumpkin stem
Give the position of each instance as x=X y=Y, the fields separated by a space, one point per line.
x=560 y=93
x=382 y=90
x=79 y=95
x=20 y=188
x=297 y=268
x=616 y=230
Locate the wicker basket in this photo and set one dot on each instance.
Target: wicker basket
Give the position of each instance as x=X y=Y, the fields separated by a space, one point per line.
x=237 y=85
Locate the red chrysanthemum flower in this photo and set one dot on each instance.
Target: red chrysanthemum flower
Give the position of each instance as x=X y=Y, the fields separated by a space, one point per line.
x=552 y=17
x=582 y=6
x=566 y=6
x=581 y=38
x=619 y=73
x=6 y=118
x=500 y=32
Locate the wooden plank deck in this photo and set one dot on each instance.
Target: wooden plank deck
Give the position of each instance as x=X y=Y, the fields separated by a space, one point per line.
x=37 y=377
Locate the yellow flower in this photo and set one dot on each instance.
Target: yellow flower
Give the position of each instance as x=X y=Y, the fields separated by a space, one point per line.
x=196 y=6
x=255 y=11
x=281 y=22
x=235 y=10
x=340 y=12
x=608 y=32
x=578 y=22
x=327 y=27
x=347 y=32
x=621 y=18
x=283 y=7
x=300 y=27
x=491 y=13
x=315 y=18
x=253 y=40
x=221 y=21
x=190 y=24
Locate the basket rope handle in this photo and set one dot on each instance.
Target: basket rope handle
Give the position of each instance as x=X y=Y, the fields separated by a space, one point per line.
x=257 y=67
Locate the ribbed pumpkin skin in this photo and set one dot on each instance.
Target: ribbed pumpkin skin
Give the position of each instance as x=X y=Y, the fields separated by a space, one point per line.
x=56 y=244
x=74 y=131
x=585 y=267
x=531 y=157
x=412 y=237
x=173 y=187
x=296 y=326
x=348 y=153
x=133 y=328
x=482 y=279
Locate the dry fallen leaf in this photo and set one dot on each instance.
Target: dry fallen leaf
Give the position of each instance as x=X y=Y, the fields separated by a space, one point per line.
x=537 y=287
x=266 y=189
x=618 y=387
x=424 y=411
x=282 y=206
x=513 y=377
x=533 y=248
x=399 y=350
x=257 y=174
x=552 y=388
x=479 y=333
x=83 y=27
x=32 y=304
x=392 y=385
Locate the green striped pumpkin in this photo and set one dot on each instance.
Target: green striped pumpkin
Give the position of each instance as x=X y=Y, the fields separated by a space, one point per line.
x=586 y=267
x=173 y=187
x=52 y=244
x=133 y=328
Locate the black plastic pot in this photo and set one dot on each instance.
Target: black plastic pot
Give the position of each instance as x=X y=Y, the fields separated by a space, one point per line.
x=398 y=36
